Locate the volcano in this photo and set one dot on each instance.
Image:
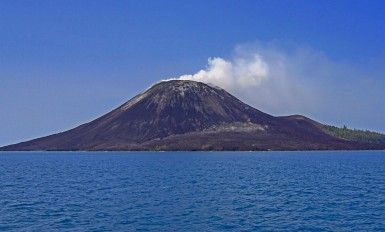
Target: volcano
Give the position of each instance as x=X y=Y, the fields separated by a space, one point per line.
x=184 y=115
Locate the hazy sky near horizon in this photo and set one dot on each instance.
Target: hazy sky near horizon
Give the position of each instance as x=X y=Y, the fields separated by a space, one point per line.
x=64 y=63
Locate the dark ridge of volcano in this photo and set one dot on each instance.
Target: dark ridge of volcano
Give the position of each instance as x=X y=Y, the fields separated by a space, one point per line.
x=188 y=115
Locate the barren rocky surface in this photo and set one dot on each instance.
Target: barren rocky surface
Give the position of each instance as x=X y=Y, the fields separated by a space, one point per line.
x=187 y=115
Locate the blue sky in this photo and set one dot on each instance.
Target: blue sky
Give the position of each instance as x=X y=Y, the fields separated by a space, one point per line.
x=63 y=63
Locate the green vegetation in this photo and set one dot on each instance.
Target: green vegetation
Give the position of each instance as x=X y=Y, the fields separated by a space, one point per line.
x=354 y=134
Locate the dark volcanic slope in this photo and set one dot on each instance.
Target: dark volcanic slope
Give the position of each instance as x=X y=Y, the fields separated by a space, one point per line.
x=188 y=115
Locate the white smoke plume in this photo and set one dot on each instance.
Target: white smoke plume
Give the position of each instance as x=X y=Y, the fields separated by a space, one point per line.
x=237 y=74
x=262 y=76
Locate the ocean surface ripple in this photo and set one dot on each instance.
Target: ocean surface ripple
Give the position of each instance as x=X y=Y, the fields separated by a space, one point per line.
x=192 y=191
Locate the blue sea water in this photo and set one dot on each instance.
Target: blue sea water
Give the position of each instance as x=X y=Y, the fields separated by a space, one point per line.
x=192 y=191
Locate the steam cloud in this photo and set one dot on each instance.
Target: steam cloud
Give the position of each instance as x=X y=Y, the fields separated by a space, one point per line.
x=238 y=74
x=262 y=76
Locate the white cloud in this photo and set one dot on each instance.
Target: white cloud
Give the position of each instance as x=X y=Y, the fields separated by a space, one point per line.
x=237 y=74
x=263 y=76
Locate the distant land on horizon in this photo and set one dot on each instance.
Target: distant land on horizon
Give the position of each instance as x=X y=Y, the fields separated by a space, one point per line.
x=181 y=115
